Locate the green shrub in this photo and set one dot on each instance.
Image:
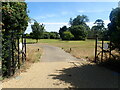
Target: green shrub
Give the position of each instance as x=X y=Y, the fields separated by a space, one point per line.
x=67 y=35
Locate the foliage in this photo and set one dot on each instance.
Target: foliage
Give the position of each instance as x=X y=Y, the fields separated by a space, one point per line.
x=97 y=29
x=61 y=31
x=14 y=22
x=46 y=35
x=100 y=24
x=14 y=16
x=37 y=30
x=79 y=32
x=54 y=35
x=67 y=35
x=114 y=28
x=79 y=20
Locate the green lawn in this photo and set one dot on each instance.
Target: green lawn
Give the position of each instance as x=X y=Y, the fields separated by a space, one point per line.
x=79 y=49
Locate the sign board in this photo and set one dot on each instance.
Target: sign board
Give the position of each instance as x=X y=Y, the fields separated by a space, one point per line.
x=20 y=46
x=105 y=46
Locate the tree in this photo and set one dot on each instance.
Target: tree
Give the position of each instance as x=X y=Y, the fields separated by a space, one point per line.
x=79 y=32
x=79 y=20
x=97 y=29
x=62 y=30
x=100 y=23
x=114 y=28
x=67 y=35
x=14 y=16
x=37 y=30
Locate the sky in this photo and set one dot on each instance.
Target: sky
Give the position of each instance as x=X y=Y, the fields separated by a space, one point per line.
x=57 y=14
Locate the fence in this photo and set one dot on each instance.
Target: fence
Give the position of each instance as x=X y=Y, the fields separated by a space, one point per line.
x=103 y=50
x=16 y=54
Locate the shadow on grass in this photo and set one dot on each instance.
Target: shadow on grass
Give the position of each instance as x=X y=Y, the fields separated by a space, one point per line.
x=88 y=76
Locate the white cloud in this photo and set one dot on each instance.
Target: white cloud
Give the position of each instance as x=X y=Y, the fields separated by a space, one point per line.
x=106 y=22
x=46 y=16
x=92 y=11
x=90 y=24
x=54 y=26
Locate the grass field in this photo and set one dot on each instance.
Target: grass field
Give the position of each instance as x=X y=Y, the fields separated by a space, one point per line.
x=79 y=49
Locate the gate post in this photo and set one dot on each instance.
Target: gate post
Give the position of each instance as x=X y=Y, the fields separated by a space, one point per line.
x=22 y=50
x=25 y=45
x=13 y=63
x=18 y=53
x=110 y=49
x=102 y=50
x=96 y=40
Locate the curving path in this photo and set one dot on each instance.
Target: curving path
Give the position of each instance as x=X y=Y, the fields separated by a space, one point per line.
x=55 y=54
x=59 y=69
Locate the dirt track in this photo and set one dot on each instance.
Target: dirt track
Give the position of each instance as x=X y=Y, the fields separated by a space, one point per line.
x=59 y=69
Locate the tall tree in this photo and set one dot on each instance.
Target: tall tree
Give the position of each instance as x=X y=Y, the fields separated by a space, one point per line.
x=114 y=27
x=99 y=24
x=37 y=30
x=79 y=20
x=79 y=27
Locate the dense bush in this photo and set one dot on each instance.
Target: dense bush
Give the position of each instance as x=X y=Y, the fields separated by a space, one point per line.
x=79 y=32
x=54 y=35
x=67 y=35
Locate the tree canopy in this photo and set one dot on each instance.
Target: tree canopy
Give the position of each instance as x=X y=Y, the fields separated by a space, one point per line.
x=14 y=16
x=37 y=30
x=79 y=32
x=79 y=20
x=114 y=27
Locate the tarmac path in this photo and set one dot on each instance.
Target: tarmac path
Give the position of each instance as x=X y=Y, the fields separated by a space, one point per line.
x=58 y=69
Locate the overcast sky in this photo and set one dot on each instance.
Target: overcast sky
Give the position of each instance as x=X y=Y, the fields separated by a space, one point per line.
x=57 y=14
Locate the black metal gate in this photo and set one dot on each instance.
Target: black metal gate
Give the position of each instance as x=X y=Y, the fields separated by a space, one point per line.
x=17 y=54
x=103 y=50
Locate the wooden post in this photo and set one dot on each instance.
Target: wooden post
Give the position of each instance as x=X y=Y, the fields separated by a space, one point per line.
x=9 y=57
x=102 y=50
x=110 y=49
x=96 y=40
x=22 y=50
x=13 y=63
x=18 y=53
x=25 y=45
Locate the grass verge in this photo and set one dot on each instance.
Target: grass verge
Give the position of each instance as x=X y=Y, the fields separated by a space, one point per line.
x=32 y=56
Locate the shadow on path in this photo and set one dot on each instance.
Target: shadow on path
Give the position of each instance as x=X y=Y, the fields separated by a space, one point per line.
x=88 y=76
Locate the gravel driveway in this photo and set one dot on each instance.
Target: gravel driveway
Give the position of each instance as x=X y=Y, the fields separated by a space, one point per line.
x=58 y=69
